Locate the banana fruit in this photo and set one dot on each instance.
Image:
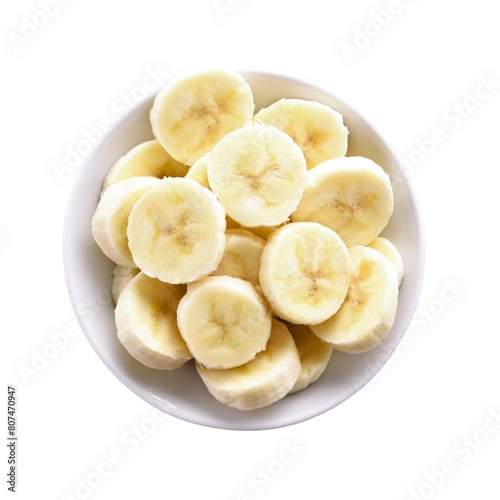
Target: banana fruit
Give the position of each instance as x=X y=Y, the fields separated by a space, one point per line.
x=260 y=382
x=146 y=323
x=305 y=271
x=121 y=276
x=247 y=244
x=368 y=312
x=176 y=231
x=110 y=219
x=194 y=110
x=258 y=173
x=314 y=355
x=241 y=257
x=146 y=159
x=224 y=321
x=317 y=129
x=389 y=250
x=351 y=195
x=198 y=171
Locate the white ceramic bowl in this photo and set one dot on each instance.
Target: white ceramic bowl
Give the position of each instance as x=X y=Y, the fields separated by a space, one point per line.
x=181 y=392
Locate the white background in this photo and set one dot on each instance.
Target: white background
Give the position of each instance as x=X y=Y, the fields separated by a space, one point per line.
x=429 y=410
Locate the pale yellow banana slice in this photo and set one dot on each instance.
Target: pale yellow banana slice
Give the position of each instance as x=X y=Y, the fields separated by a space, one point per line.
x=176 y=231
x=145 y=319
x=121 y=276
x=258 y=173
x=367 y=314
x=314 y=355
x=260 y=382
x=317 y=129
x=351 y=195
x=389 y=250
x=262 y=231
x=194 y=110
x=146 y=159
x=241 y=257
x=224 y=321
x=110 y=219
x=198 y=171
x=305 y=270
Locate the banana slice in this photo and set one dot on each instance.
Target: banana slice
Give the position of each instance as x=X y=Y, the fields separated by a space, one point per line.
x=194 y=110
x=367 y=314
x=224 y=321
x=176 y=231
x=314 y=355
x=241 y=257
x=121 y=276
x=198 y=171
x=146 y=159
x=389 y=250
x=145 y=319
x=260 y=382
x=305 y=270
x=262 y=231
x=317 y=129
x=110 y=219
x=352 y=195
x=258 y=173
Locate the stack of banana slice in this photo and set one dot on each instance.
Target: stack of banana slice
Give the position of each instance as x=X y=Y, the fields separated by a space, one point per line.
x=247 y=242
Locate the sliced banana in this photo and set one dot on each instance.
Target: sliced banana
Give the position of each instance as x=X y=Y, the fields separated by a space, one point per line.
x=260 y=382
x=224 y=321
x=121 y=276
x=389 y=250
x=305 y=270
x=198 y=171
x=110 y=219
x=176 y=231
x=368 y=312
x=351 y=195
x=258 y=173
x=262 y=231
x=194 y=110
x=314 y=355
x=145 y=319
x=317 y=129
x=250 y=244
x=146 y=159
x=241 y=257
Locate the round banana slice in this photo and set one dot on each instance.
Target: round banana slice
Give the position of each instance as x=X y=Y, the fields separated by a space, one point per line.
x=110 y=219
x=317 y=129
x=305 y=270
x=314 y=355
x=224 y=321
x=241 y=257
x=145 y=319
x=260 y=382
x=176 y=231
x=194 y=110
x=121 y=276
x=262 y=231
x=368 y=312
x=389 y=250
x=198 y=171
x=146 y=159
x=258 y=173
x=351 y=195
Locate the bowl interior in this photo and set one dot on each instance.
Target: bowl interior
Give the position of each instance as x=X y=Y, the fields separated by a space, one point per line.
x=181 y=392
